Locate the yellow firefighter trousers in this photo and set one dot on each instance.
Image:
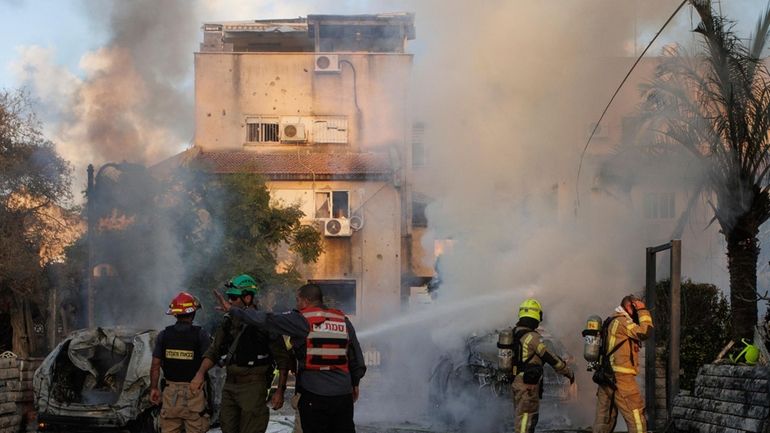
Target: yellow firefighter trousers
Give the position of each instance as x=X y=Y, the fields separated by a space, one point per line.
x=526 y=404
x=627 y=399
x=183 y=410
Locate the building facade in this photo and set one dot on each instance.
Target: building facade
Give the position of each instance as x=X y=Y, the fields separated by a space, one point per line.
x=318 y=106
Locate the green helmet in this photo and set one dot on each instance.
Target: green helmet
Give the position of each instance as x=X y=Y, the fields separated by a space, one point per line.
x=749 y=354
x=242 y=285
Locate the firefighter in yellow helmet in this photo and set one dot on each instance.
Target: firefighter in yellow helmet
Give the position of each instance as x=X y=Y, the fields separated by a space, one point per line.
x=622 y=334
x=530 y=353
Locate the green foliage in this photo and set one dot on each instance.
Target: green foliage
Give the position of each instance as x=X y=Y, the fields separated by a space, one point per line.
x=705 y=319
x=715 y=103
x=194 y=231
x=33 y=178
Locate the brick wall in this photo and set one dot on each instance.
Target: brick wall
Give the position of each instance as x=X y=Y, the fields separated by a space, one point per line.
x=16 y=399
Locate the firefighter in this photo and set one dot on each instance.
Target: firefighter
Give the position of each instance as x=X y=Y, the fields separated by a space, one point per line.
x=628 y=326
x=249 y=355
x=330 y=360
x=530 y=354
x=179 y=351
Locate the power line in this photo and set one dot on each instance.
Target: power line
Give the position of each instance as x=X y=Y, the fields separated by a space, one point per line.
x=596 y=126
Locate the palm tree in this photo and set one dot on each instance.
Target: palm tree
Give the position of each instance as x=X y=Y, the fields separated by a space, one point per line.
x=716 y=103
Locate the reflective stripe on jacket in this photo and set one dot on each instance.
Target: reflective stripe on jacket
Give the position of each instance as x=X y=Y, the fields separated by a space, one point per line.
x=327 y=342
x=624 y=331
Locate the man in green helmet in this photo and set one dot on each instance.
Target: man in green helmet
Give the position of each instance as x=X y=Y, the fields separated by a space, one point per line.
x=249 y=355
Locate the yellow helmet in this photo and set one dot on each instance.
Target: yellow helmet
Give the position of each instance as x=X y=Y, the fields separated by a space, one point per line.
x=531 y=308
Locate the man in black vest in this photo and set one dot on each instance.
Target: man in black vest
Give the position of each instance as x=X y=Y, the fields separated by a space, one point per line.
x=179 y=351
x=249 y=354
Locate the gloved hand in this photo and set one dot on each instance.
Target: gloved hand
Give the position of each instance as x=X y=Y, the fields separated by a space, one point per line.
x=569 y=374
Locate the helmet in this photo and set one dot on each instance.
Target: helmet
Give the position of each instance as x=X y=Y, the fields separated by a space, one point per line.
x=749 y=354
x=242 y=285
x=531 y=308
x=183 y=303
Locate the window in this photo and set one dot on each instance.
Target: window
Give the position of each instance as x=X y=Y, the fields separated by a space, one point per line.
x=330 y=130
x=418 y=146
x=332 y=204
x=339 y=294
x=659 y=205
x=419 y=219
x=261 y=130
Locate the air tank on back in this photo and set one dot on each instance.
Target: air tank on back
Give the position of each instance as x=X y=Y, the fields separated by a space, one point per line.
x=505 y=350
x=592 y=341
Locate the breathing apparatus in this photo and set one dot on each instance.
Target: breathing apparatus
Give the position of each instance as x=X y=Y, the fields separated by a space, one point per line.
x=505 y=351
x=592 y=341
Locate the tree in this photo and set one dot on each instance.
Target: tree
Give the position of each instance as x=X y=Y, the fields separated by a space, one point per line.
x=188 y=231
x=716 y=103
x=33 y=180
x=705 y=325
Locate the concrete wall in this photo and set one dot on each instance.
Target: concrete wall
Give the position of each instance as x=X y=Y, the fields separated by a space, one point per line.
x=231 y=86
x=16 y=411
x=371 y=256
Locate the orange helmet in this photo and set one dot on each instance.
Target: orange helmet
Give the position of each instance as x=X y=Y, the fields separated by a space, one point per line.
x=183 y=303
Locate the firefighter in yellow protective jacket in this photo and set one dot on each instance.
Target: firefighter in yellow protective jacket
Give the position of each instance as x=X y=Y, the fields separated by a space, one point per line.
x=624 y=331
x=530 y=353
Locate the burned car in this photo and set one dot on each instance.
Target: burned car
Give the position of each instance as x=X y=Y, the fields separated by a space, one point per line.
x=468 y=390
x=95 y=379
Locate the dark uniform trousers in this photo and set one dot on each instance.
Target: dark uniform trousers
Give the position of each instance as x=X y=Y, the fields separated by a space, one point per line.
x=326 y=414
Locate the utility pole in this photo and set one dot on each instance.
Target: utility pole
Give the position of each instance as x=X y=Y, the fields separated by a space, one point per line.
x=90 y=233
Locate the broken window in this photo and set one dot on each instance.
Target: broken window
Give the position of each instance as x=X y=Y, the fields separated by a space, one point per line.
x=659 y=205
x=261 y=130
x=339 y=294
x=332 y=204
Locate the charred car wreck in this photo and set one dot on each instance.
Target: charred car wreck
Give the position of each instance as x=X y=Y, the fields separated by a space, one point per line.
x=469 y=389
x=95 y=379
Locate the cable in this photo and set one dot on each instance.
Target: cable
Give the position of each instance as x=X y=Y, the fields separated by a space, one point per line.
x=596 y=126
x=355 y=81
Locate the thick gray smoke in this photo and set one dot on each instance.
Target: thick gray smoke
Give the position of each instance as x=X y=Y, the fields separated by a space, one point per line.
x=506 y=88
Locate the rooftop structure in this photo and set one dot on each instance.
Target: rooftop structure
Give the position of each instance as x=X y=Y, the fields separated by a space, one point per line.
x=381 y=33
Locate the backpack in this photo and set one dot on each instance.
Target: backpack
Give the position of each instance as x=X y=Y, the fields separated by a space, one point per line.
x=603 y=373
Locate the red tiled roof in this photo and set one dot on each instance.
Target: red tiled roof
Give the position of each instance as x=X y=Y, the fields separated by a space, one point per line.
x=298 y=166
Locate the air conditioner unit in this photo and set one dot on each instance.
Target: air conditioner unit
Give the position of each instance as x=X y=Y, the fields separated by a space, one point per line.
x=337 y=227
x=327 y=63
x=293 y=132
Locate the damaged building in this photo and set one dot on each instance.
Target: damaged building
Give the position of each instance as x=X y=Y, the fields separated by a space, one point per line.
x=318 y=106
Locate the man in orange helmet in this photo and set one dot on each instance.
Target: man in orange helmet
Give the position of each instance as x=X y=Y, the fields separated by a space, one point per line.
x=179 y=352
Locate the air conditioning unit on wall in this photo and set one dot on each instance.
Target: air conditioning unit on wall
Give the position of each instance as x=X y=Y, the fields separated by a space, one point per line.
x=337 y=227
x=327 y=63
x=293 y=132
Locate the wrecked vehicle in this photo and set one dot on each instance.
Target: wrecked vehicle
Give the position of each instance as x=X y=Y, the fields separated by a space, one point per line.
x=468 y=390
x=97 y=378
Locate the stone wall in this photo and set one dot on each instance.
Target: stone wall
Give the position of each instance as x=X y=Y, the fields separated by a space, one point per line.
x=16 y=399
x=726 y=399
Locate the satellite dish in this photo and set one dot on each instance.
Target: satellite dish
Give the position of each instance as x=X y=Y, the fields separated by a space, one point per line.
x=356 y=222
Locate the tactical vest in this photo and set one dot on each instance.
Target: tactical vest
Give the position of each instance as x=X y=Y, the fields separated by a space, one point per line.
x=253 y=348
x=327 y=340
x=181 y=353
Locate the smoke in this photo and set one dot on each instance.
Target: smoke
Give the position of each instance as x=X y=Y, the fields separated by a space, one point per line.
x=507 y=90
